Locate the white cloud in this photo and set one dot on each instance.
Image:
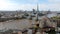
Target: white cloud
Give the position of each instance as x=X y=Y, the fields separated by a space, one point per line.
x=54 y=1
x=52 y=7
x=4 y=5
x=31 y=6
x=35 y=1
x=17 y=7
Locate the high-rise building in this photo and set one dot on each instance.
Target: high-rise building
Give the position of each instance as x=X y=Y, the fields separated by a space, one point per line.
x=37 y=11
x=37 y=8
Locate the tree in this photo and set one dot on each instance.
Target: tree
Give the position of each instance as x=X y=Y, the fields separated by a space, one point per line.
x=30 y=18
x=40 y=14
x=1 y=15
x=26 y=14
x=34 y=11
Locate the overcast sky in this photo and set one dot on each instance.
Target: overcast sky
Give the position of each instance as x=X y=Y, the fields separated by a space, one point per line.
x=30 y=4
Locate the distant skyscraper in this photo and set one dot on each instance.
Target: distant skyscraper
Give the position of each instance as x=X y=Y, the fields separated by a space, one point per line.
x=37 y=11
x=37 y=8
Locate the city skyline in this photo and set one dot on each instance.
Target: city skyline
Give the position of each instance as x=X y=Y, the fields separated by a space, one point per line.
x=52 y=5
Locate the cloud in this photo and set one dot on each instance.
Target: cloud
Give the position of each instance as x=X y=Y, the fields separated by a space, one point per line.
x=54 y=1
x=7 y=5
x=4 y=5
x=21 y=7
x=52 y=7
x=31 y=6
x=35 y=1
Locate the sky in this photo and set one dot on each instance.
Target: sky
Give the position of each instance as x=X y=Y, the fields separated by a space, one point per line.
x=53 y=5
